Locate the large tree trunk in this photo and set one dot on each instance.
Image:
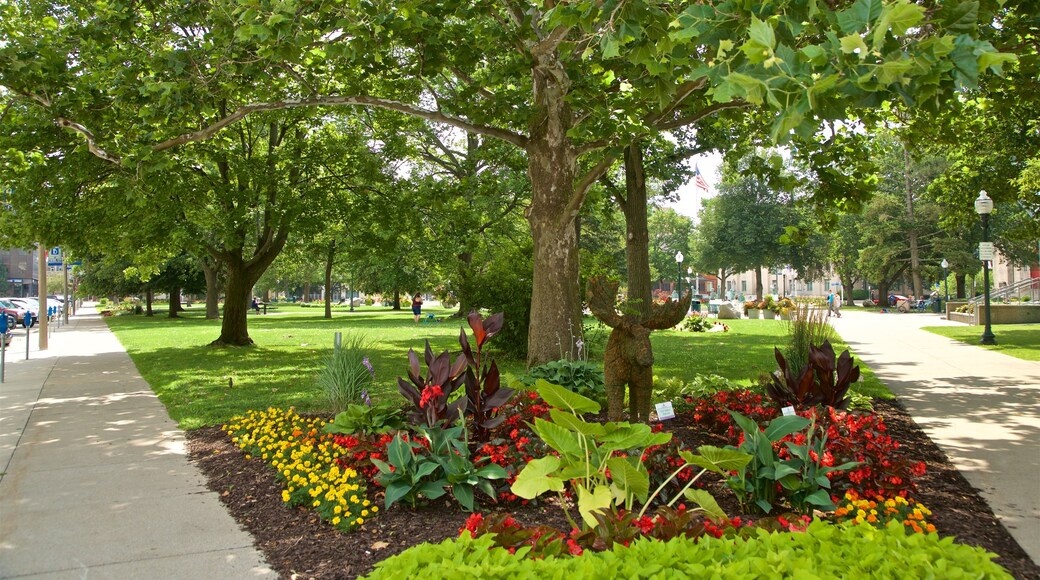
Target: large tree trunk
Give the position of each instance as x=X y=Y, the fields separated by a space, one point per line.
x=148 y=295
x=465 y=263
x=915 y=254
x=233 y=329
x=306 y=293
x=961 y=285
x=175 y=302
x=329 y=259
x=397 y=299
x=759 y=294
x=555 y=324
x=637 y=236
x=212 y=275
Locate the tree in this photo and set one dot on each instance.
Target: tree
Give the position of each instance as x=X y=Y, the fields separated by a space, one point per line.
x=741 y=227
x=542 y=78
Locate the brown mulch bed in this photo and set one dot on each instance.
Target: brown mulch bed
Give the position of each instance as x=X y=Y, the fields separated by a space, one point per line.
x=297 y=544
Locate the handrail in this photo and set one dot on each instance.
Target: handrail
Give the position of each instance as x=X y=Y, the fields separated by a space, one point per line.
x=1033 y=284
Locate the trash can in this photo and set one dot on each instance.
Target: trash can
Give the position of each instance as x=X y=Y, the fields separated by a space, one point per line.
x=696 y=304
x=937 y=306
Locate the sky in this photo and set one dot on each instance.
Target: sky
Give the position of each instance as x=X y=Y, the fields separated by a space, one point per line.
x=689 y=196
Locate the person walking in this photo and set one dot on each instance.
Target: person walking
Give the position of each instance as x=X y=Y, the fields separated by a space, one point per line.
x=417 y=306
x=837 y=304
x=830 y=304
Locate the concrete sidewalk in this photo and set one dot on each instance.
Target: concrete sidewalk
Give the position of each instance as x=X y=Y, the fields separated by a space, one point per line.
x=94 y=481
x=981 y=407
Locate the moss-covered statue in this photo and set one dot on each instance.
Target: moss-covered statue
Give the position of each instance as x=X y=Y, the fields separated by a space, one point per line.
x=629 y=359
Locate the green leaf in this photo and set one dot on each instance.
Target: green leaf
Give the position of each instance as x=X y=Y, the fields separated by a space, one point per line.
x=898 y=18
x=783 y=470
x=620 y=436
x=783 y=426
x=814 y=54
x=395 y=491
x=559 y=438
x=569 y=421
x=707 y=502
x=609 y=46
x=600 y=498
x=492 y=471
x=536 y=478
x=561 y=398
x=995 y=61
x=424 y=470
x=820 y=498
x=464 y=494
x=853 y=43
x=399 y=452
x=433 y=489
x=859 y=16
x=628 y=478
x=717 y=460
x=762 y=34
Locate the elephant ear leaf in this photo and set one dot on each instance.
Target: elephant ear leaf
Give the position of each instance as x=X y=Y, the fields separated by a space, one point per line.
x=561 y=398
x=537 y=478
x=707 y=503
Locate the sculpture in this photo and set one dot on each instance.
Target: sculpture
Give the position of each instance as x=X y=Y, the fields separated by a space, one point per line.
x=629 y=358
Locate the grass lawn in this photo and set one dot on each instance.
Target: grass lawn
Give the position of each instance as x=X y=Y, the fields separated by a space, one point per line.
x=205 y=386
x=1018 y=340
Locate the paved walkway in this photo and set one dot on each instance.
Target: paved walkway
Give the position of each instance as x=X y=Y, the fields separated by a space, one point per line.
x=94 y=481
x=981 y=407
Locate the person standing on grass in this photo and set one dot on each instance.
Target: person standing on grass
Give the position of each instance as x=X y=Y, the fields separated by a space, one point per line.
x=417 y=306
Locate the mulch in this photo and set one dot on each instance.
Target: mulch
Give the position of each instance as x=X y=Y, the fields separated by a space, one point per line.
x=297 y=544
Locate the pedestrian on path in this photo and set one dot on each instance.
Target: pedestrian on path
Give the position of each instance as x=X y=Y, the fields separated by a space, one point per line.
x=837 y=304
x=830 y=304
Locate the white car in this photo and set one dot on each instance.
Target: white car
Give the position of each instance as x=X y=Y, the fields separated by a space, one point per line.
x=29 y=304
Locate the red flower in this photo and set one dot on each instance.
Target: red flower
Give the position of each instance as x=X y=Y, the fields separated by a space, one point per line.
x=429 y=393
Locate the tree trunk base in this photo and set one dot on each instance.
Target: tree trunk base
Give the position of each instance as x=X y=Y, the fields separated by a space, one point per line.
x=240 y=342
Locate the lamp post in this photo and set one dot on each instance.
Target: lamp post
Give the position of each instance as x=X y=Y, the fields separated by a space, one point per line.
x=678 y=279
x=983 y=207
x=946 y=279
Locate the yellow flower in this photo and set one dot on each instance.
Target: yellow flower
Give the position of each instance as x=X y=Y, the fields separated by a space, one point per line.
x=335 y=521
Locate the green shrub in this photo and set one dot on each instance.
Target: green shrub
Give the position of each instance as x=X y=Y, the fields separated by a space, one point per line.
x=823 y=551
x=347 y=373
x=860 y=294
x=582 y=377
x=367 y=419
x=701 y=386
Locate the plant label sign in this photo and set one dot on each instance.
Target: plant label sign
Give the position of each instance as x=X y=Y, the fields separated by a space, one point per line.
x=788 y=411
x=665 y=411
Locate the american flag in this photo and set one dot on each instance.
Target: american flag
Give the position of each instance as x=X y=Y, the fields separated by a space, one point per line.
x=698 y=180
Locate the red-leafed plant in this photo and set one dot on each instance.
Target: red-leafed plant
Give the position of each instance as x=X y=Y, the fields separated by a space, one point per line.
x=484 y=391
x=429 y=395
x=823 y=381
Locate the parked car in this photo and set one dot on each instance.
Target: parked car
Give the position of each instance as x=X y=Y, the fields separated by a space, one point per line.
x=13 y=310
x=29 y=304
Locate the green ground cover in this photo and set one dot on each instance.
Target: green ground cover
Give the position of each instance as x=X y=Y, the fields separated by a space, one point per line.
x=207 y=386
x=1018 y=340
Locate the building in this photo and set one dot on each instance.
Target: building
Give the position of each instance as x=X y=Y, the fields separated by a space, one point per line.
x=21 y=272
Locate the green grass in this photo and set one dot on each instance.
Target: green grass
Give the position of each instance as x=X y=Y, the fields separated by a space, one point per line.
x=201 y=385
x=1017 y=340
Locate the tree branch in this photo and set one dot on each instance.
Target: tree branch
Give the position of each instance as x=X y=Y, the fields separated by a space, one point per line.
x=91 y=141
x=581 y=189
x=329 y=101
x=705 y=112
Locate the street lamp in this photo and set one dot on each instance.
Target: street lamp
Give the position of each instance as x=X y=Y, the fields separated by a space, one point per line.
x=678 y=261
x=983 y=207
x=946 y=279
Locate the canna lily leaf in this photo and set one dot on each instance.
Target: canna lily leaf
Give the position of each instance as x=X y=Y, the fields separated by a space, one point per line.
x=706 y=502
